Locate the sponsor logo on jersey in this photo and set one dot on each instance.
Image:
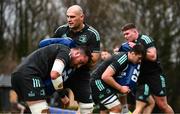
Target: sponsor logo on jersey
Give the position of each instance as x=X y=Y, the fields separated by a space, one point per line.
x=31 y=94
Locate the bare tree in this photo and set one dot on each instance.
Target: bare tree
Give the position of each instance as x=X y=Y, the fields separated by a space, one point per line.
x=23 y=23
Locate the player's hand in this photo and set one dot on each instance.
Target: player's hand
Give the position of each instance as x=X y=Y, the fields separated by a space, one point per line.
x=65 y=100
x=125 y=89
x=131 y=44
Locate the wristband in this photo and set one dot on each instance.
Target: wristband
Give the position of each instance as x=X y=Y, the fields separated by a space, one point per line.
x=58 y=83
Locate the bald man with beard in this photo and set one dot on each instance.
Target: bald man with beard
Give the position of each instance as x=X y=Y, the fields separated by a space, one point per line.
x=82 y=34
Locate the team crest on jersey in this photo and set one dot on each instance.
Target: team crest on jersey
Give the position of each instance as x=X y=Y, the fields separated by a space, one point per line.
x=83 y=38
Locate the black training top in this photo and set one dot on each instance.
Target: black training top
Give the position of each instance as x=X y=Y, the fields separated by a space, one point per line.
x=117 y=62
x=146 y=65
x=40 y=62
x=88 y=36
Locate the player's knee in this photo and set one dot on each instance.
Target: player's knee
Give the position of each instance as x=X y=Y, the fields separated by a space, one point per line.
x=151 y=102
x=86 y=108
x=162 y=106
x=40 y=108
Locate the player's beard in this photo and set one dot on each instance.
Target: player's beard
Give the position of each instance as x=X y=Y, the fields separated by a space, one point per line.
x=75 y=28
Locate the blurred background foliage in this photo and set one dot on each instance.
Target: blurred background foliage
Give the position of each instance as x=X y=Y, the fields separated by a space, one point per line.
x=23 y=23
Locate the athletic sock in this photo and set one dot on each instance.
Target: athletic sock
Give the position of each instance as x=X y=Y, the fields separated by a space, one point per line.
x=125 y=109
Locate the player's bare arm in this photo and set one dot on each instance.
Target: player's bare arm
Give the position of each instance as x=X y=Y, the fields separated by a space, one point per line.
x=151 y=54
x=107 y=77
x=56 y=73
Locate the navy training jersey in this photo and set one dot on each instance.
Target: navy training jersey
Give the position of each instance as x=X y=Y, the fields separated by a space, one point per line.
x=88 y=36
x=118 y=63
x=146 y=65
x=40 y=62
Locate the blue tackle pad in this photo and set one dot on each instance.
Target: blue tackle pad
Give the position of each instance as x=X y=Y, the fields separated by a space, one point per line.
x=65 y=41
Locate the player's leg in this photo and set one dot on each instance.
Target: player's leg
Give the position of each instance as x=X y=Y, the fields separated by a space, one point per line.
x=142 y=95
x=38 y=107
x=139 y=107
x=30 y=89
x=82 y=91
x=150 y=105
x=85 y=108
x=131 y=100
x=124 y=103
x=104 y=111
x=158 y=88
x=163 y=104
x=115 y=109
x=105 y=96
x=128 y=78
x=112 y=103
x=85 y=103
x=83 y=95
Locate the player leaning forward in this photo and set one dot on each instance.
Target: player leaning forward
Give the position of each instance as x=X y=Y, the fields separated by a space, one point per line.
x=103 y=83
x=28 y=79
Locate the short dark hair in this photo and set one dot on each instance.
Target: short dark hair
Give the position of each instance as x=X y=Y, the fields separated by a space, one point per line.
x=85 y=50
x=139 y=49
x=128 y=26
